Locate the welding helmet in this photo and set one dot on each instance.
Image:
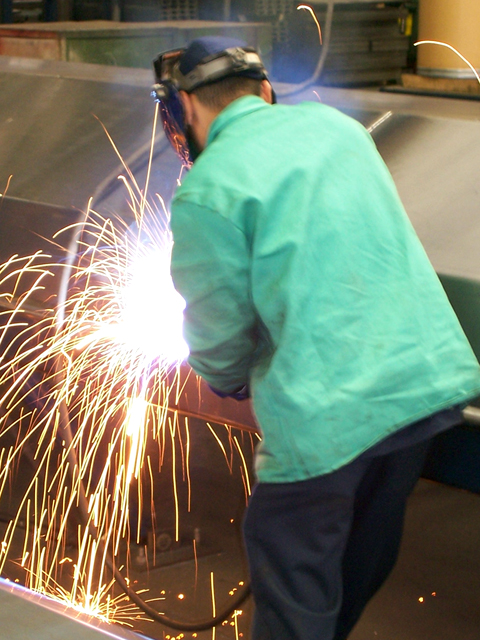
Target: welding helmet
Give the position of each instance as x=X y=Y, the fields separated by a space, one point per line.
x=204 y=61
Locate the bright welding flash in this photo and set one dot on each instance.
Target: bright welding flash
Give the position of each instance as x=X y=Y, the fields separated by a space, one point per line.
x=153 y=310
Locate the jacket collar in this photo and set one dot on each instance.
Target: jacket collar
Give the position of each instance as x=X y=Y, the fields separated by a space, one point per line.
x=235 y=110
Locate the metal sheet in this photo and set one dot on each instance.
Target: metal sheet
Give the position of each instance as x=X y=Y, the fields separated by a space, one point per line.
x=27 y=228
x=435 y=166
x=51 y=137
x=29 y=616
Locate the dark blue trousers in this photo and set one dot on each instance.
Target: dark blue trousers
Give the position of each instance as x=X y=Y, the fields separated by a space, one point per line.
x=319 y=549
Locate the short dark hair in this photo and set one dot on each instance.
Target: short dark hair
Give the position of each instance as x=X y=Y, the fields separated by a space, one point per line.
x=217 y=95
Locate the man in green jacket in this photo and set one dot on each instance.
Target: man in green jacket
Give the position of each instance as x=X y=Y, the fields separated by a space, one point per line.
x=307 y=289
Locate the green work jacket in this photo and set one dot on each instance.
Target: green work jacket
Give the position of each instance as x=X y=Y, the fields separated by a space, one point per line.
x=304 y=279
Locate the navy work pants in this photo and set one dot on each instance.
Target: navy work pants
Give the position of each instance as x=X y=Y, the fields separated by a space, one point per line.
x=319 y=549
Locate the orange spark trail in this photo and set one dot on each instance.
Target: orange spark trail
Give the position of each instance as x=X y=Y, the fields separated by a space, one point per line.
x=93 y=368
x=86 y=389
x=306 y=7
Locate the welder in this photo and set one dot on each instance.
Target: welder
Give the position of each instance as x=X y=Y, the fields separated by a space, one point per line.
x=307 y=289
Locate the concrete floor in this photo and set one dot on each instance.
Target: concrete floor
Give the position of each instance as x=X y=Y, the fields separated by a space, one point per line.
x=433 y=593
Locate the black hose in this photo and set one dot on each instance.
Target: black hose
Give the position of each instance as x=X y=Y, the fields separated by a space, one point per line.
x=315 y=77
x=200 y=625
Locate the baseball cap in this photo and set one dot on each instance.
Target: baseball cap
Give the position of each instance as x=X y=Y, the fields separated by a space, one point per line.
x=208 y=47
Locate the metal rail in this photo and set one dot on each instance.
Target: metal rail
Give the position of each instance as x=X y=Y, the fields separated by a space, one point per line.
x=471 y=415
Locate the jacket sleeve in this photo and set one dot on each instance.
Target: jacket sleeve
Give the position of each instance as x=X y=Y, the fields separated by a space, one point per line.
x=211 y=270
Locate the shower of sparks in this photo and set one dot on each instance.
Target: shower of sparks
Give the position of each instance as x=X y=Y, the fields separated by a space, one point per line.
x=449 y=46
x=84 y=386
x=306 y=7
x=214 y=606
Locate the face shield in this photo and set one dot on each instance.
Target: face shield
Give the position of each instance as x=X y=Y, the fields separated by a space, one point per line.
x=165 y=92
x=169 y=81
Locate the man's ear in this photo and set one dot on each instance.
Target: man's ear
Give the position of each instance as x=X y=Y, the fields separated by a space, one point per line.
x=187 y=106
x=266 y=91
